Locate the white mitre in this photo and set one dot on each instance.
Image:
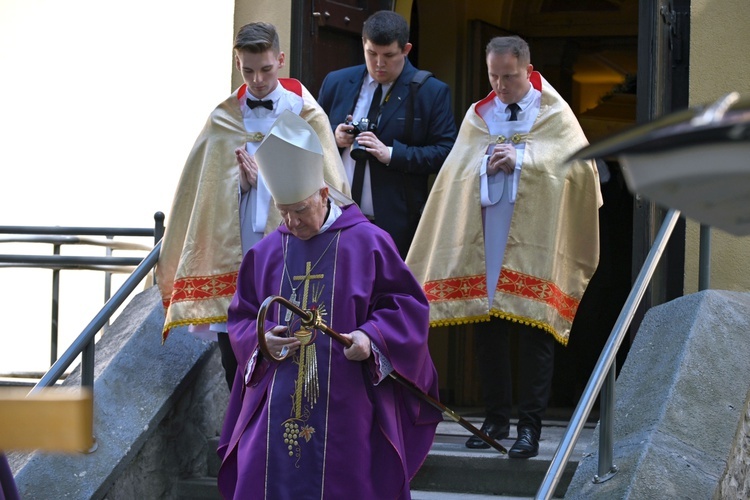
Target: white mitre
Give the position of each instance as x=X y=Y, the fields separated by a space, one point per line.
x=290 y=160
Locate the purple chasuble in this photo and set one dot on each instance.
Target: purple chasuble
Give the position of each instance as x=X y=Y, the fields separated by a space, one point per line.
x=317 y=425
x=8 y=489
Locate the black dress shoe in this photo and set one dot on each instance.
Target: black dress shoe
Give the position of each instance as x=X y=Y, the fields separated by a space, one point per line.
x=494 y=431
x=527 y=444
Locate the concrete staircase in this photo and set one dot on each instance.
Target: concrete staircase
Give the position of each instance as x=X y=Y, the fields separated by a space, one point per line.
x=681 y=419
x=451 y=467
x=451 y=471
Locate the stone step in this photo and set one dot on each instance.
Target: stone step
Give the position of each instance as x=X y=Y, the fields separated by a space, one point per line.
x=439 y=495
x=452 y=471
x=451 y=467
x=205 y=489
x=196 y=488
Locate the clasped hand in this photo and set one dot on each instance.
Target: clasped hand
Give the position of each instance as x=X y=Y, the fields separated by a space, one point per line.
x=503 y=158
x=248 y=169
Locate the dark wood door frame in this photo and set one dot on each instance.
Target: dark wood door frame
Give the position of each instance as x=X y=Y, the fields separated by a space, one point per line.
x=663 y=69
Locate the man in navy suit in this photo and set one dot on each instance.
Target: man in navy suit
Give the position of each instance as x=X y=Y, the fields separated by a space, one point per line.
x=410 y=132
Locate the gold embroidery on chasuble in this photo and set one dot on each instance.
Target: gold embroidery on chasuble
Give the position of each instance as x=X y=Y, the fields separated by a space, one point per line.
x=299 y=428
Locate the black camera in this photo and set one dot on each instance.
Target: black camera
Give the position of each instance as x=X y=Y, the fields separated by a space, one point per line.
x=363 y=125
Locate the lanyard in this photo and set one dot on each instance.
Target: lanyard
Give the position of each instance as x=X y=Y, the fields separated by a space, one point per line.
x=382 y=104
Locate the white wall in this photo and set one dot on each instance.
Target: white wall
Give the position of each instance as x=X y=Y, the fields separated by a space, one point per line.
x=100 y=103
x=719 y=64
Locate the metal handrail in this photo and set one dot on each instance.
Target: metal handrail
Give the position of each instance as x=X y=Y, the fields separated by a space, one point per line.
x=88 y=231
x=61 y=235
x=83 y=344
x=605 y=368
x=68 y=261
x=71 y=235
x=77 y=240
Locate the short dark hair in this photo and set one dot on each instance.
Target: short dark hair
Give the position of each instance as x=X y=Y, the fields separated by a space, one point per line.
x=385 y=27
x=510 y=44
x=257 y=38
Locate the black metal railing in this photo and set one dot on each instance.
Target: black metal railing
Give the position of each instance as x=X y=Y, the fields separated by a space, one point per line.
x=59 y=236
x=84 y=344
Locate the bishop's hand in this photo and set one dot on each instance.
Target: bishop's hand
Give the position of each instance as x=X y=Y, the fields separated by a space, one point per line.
x=361 y=347
x=279 y=344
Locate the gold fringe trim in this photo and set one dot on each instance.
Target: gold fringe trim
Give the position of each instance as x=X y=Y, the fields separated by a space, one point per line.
x=191 y=321
x=533 y=323
x=461 y=321
x=502 y=315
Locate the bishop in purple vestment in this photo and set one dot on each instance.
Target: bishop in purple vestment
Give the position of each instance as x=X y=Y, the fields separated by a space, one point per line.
x=326 y=422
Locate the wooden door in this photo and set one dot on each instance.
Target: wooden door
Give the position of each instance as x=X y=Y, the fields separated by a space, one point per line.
x=327 y=35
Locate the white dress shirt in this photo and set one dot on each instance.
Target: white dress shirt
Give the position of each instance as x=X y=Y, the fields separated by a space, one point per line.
x=360 y=111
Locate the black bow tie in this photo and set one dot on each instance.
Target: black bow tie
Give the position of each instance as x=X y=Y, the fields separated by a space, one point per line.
x=253 y=103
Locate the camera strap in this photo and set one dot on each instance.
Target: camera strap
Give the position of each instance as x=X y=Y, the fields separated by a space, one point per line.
x=417 y=80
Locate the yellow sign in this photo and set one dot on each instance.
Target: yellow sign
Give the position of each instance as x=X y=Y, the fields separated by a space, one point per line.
x=53 y=419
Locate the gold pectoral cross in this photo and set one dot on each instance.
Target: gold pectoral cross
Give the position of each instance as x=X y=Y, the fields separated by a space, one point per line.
x=305 y=291
x=307 y=278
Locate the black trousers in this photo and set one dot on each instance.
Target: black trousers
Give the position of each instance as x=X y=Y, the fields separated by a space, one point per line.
x=535 y=370
x=228 y=360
